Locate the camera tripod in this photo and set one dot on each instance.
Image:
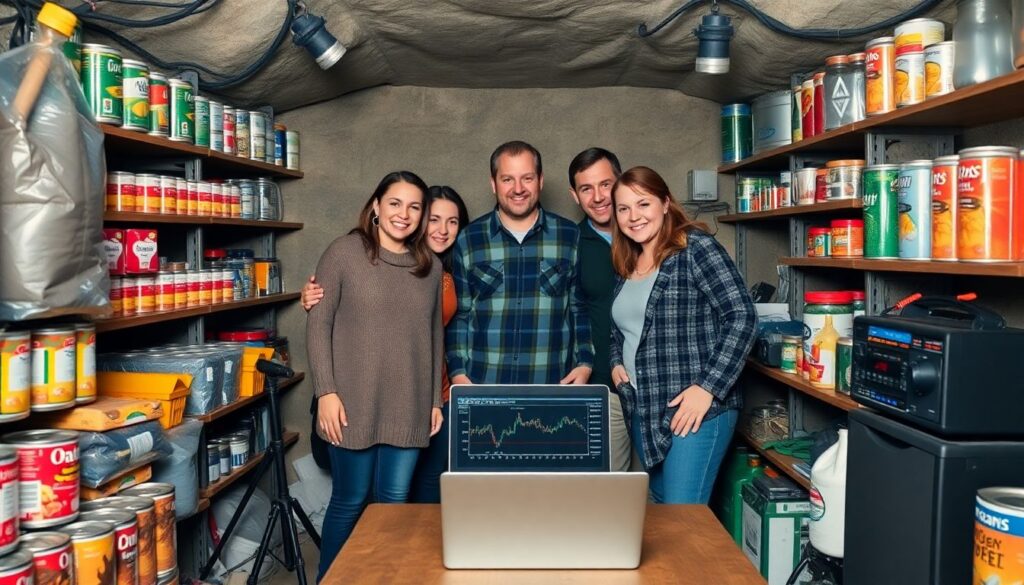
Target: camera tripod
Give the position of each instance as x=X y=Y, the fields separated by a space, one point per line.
x=283 y=508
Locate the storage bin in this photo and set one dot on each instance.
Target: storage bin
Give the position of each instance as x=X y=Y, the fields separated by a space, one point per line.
x=170 y=389
x=251 y=381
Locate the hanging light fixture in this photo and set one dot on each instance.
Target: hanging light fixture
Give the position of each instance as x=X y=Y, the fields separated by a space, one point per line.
x=310 y=32
x=714 y=32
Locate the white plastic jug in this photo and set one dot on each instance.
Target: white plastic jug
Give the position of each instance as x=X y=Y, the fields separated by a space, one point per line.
x=828 y=499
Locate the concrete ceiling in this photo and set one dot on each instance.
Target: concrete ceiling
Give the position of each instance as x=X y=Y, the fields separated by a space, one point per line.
x=489 y=44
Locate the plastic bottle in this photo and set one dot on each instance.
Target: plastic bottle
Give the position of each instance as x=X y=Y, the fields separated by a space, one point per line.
x=828 y=499
x=984 y=41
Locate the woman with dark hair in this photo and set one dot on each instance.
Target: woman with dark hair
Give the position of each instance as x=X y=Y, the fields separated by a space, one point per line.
x=446 y=217
x=682 y=325
x=375 y=352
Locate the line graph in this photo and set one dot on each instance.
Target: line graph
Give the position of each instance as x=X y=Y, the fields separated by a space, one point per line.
x=530 y=432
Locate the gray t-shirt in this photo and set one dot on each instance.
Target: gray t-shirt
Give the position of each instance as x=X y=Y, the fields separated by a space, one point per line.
x=628 y=312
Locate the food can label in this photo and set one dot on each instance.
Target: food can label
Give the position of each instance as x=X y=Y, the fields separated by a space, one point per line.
x=878 y=63
x=166 y=534
x=95 y=562
x=821 y=332
x=48 y=484
x=988 y=220
x=909 y=79
x=120 y=192
x=102 y=84
x=85 y=362
x=53 y=368
x=938 y=70
x=998 y=544
x=15 y=374
x=17 y=575
x=202 y=121
x=915 y=218
x=159 y=107
x=9 y=514
x=53 y=567
x=136 y=98
x=182 y=113
x=944 y=212
x=127 y=545
x=147 y=547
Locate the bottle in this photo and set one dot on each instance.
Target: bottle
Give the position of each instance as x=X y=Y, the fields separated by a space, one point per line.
x=745 y=467
x=823 y=355
x=984 y=40
x=828 y=499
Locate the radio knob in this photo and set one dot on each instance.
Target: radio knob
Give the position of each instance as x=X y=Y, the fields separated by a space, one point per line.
x=924 y=376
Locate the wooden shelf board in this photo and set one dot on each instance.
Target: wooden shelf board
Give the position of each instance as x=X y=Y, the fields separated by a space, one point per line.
x=993 y=101
x=244 y=401
x=784 y=463
x=795 y=382
x=289 y=437
x=1006 y=269
x=787 y=212
x=126 y=217
x=116 y=323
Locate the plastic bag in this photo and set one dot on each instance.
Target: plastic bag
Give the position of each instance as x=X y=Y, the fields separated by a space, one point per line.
x=207 y=373
x=104 y=455
x=240 y=549
x=52 y=185
x=181 y=468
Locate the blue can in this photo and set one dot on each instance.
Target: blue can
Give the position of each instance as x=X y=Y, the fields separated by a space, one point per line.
x=914 y=189
x=737 y=133
x=280 y=143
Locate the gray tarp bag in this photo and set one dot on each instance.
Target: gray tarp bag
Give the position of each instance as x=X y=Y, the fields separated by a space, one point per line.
x=52 y=195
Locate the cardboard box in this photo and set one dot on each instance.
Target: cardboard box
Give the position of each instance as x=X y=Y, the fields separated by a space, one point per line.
x=113 y=250
x=140 y=251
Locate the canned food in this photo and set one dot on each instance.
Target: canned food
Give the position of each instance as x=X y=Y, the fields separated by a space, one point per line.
x=120 y=191
x=847 y=238
x=224 y=445
x=16 y=568
x=229 y=130
x=880 y=65
x=819 y=244
x=989 y=223
x=168 y=195
x=164 y=290
x=51 y=557
x=909 y=79
x=159 y=104
x=15 y=375
x=216 y=123
x=146 y=285
x=101 y=82
x=269 y=147
x=206 y=287
x=745 y=189
x=241 y=133
x=819 y=102
x=944 y=207
x=235 y=201
x=881 y=212
x=795 y=115
x=844 y=179
x=145 y=513
x=180 y=288
x=194 y=280
x=85 y=364
x=94 y=552
x=135 y=84
x=790 y=343
x=53 y=368
x=116 y=297
x=918 y=34
x=239 y=445
x=192 y=192
x=915 y=204
x=999 y=536
x=202 y=121
x=181 y=187
x=938 y=69
x=281 y=143
x=807 y=118
x=227 y=284
x=805 y=181
x=8 y=499
x=47 y=476
x=292 y=150
x=205 y=198
x=162 y=495
x=129 y=296
x=216 y=200
x=182 y=102
x=147 y=193
x=821 y=185
x=126 y=541
x=212 y=463
x=257 y=135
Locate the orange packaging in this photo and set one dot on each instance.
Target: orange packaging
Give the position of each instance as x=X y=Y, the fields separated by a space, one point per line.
x=147 y=193
x=168 y=195
x=998 y=536
x=989 y=222
x=120 y=191
x=944 y=207
x=847 y=238
x=880 y=65
x=162 y=495
x=205 y=200
x=145 y=514
x=94 y=558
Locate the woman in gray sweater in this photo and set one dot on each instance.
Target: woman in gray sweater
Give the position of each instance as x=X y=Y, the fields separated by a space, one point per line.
x=375 y=348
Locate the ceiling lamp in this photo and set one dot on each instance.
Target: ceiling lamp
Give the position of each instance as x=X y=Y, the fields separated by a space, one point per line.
x=310 y=32
x=714 y=33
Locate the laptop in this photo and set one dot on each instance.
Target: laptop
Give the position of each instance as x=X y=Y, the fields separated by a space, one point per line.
x=529 y=486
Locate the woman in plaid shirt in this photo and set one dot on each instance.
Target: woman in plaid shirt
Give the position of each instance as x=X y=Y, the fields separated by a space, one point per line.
x=682 y=325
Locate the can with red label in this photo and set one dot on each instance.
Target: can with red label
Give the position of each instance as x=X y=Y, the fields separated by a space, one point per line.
x=205 y=199
x=116 y=297
x=47 y=476
x=168 y=195
x=944 y=208
x=126 y=538
x=229 y=130
x=51 y=557
x=192 y=194
x=8 y=499
x=989 y=222
x=819 y=102
x=120 y=191
x=16 y=568
x=145 y=512
x=217 y=199
x=129 y=296
x=807 y=108
x=147 y=193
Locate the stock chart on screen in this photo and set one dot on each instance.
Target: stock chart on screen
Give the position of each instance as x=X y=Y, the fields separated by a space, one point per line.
x=530 y=428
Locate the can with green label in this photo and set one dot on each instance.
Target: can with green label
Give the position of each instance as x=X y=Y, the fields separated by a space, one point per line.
x=844 y=365
x=182 y=101
x=73 y=48
x=135 y=84
x=202 y=120
x=159 y=109
x=101 y=82
x=881 y=212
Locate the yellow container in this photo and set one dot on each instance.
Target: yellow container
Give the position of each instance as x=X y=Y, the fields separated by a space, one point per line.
x=250 y=383
x=170 y=389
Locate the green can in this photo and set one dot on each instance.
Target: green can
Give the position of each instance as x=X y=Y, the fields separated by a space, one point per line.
x=202 y=119
x=737 y=133
x=791 y=345
x=101 y=82
x=881 y=212
x=73 y=48
x=182 y=122
x=844 y=364
x=135 y=84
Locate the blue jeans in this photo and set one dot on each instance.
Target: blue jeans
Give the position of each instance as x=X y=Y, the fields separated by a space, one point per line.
x=688 y=472
x=386 y=469
x=426 y=480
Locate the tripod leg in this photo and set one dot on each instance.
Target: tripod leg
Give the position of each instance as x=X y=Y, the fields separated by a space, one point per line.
x=310 y=529
x=261 y=552
x=264 y=466
x=300 y=564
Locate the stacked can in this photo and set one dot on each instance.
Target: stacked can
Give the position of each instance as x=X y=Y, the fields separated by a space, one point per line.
x=15 y=376
x=202 y=121
x=880 y=66
x=179 y=276
x=990 y=220
x=194 y=280
x=120 y=191
x=229 y=130
x=135 y=90
x=48 y=476
x=292 y=150
x=102 y=82
x=242 y=133
x=216 y=126
x=257 y=136
x=268 y=149
x=182 y=111
x=915 y=205
x=881 y=212
x=280 y=143
x=944 y=207
x=159 y=104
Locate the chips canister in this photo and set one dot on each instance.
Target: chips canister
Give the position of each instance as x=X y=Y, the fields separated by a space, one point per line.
x=880 y=64
x=51 y=557
x=135 y=84
x=202 y=120
x=881 y=212
x=944 y=207
x=182 y=102
x=159 y=104
x=15 y=375
x=53 y=368
x=95 y=552
x=938 y=69
x=47 y=476
x=9 y=519
x=999 y=536
x=145 y=513
x=126 y=541
x=915 y=208
x=85 y=363
x=989 y=223
x=102 y=82
x=162 y=495
x=909 y=79
x=918 y=34
x=16 y=568
x=120 y=191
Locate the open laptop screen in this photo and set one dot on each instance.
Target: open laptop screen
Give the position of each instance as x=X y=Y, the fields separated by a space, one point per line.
x=529 y=428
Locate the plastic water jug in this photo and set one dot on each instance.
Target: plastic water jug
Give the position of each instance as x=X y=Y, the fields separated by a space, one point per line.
x=828 y=499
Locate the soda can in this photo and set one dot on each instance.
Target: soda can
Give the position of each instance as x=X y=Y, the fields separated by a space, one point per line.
x=159 y=104
x=135 y=87
x=182 y=100
x=915 y=204
x=944 y=207
x=881 y=207
x=102 y=82
x=938 y=69
x=202 y=121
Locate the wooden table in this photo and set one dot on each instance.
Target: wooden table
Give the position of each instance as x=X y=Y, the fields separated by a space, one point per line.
x=401 y=543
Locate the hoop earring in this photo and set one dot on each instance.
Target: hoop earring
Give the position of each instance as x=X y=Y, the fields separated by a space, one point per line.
x=375 y=220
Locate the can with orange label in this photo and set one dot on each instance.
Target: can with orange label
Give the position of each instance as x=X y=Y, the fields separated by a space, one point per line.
x=944 y=207
x=15 y=375
x=909 y=79
x=988 y=222
x=8 y=499
x=205 y=205
x=85 y=363
x=53 y=368
x=120 y=191
x=998 y=536
x=51 y=557
x=880 y=65
x=807 y=117
x=162 y=495
x=95 y=557
x=126 y=541
x=145 y=514
x=164 y=290
x=48 y=488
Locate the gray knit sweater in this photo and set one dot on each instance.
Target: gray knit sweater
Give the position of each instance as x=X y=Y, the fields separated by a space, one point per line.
x=376 y=340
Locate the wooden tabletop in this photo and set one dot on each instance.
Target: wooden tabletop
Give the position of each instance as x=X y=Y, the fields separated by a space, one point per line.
x=401 y=543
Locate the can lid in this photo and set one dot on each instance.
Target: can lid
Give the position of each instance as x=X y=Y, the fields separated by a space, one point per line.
x=87 y=529
x=39 y=437
x=244 y=335
x=134 y=63
x=847 y=223
x=157 y=75
x=1007 y=499
x=836 y=297
x=117 y=517
x=845 y=163
x=736 y=110
x=43 y=541
x=859 y=295
x=948 y=159
x=819 y=77
x=215 y=253
x=855 y=57
x=915 y=164
x=133 y=503
x=823 y=171
x=920 y=21
x=150 y=490
x=845 y=341
x=886 y=167
x=201 y=98
x=837 y=60
x=16 y=559
x=280 y=127
x=85 y=327
x=880 y=41
x=988 y=151
x=58 y=18
x=818 y=231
